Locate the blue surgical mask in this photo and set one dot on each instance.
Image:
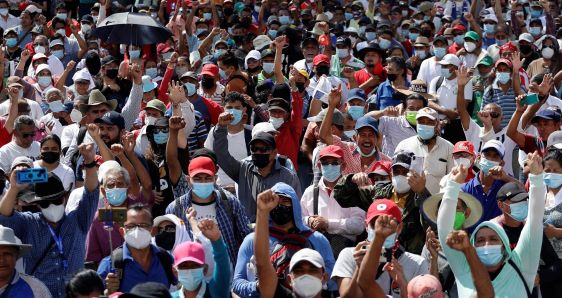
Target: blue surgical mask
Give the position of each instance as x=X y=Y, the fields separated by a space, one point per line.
x=203 y=189
x=4 y=11
x=486 y=165
x=222 y=74
x=272 y=33
x=58 y=53
x=191 y=279
x=425 y=132
x=536 y=13
x=490 y=28
x=440 y=52
x=331 y=172
x=284 y=20
x=342 y=53
x=152 y=72
x=501 y=42
x=349 y=133
x=370 y=35
x=207 y=16
x=535 y=31
x=519 y=210
x=459 y=39
x=356 y=112
x=268 y=67
x=490 y=255
x=134 y=54
x=61 y=16
x=553 y=180
x=161 y=138
x=348 y=16
x=116 y=196
x=56 y=106
x=503 y=77
x=237 y=115
x=276 y=122
x=199 y=31
x=412 y=36
x=445 y=72
x=44 y=81
x=11 y=42
x=420 y=54
x=190 y=88
x=388 y=242
x=384 y=43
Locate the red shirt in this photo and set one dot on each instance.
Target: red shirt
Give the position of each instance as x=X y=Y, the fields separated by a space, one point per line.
x=454 y=48
x=288 y=138
x=533 y=143
x=362 y=76
x=5 y=137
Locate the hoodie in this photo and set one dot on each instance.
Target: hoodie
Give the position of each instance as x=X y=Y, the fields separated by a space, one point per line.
x=525 y=255
x=244 y=286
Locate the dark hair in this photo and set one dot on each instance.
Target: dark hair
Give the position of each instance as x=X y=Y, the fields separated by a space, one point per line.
x=234 y=96
x=430 y=23
x=50 y=137
x=387 y=31
x=229 y=59
x=23 y=120
x=84 y=283
x=140 y=207
x=56 y=21
x=554 y=155
x=415 y=96
x=399 y=61
x=281 y=91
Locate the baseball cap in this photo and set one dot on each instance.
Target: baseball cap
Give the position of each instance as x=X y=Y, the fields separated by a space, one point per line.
x=308 y=255
x=548 y=114
x=266 y=127
x=555 y=140
x=112 y=118
x=472 y=35
x=38 y=56
x=526 y=37
x=210 y=70
x=402 y=158
x=367 y=121
x=421 y=41
x=381 y=167
x=203 y=165
x=504 y=61
x=264 y=137
x=450 y=59
x=496 y=145
x=189 y=74
x=440 y=38
x=278 y=104
x=513 y=192
x=464 y=146
x=331 y=151
x=491 y=17
x=383 y=207
x=267 y=53
x=426 y=286
x=108 y=59
x=156 y=104
x=204 y=152
x=163 y=48
x=459 y=27
x=486 y=61
x=356 y=93
x=337 y=118
x=321 y=58
x=261 y=42
x=189 y=251
x=427 y=112
x=146 y=290
x=22 y=161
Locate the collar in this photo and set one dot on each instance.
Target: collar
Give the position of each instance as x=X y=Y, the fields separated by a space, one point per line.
x=200 y=293
x=557 y=199
x=127 y=253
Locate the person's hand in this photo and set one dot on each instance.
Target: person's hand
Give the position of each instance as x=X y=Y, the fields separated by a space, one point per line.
x=158 y=197
x=334 y=98
x=136 y=73
x=324 y=27
x=74 y=29
x=416 y=181
x=394 y=269
x=14 y=94
x=280 y=42
x=415 y=61
x=534 y=162
x=164 y=3
x=267 y=200
x=129 y=143
x=50 y=125
x=319 y=223
x=485 y=118
x=458 y=174
x=225 y=118
x=117 y=150
x=194 y=6
x=550 y=231
x=348 y=73
x=458 y=240
x=391 y=111
x=546 y=85
x=468 y=17
x=24 y=56
x=519 y=107
x=497 y=173
x=516 y=61
x=249 y=100
x=224 y=34
x=432 y=243
x=40 y=20
x=463 y=76
x=87 y=151
x=385 y=226
x=70 y=66
x=94 y=131
x=177 y=93
x=361 y=179
x=14 y=179
x=111 y=282
x=359 y=252
x=210 y=229
x=174 y=58
x=216 y=31
x=176 y=123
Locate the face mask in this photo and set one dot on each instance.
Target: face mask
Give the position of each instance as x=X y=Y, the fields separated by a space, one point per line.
x=388 y=242
x=281 y=215
x=190 y=88
x=420 y=54
x=111 y=73
x=203 y=189
x=207 y=16
x=412 y=36
x=268 y=67
x=353 y=40
x=61 y=15
x=459 y=220
x=152 y=72
x=486 y=165
x=459 y=39
x=400 y=184
x=490 y=255
x=44 y=81
x=384 y=43
x=331 y=172
x=53 y=213
x=469 y=46
x=489 y=28
x=86 y=29
x=199 y=31
x=525 y=48
x=134 y=54
x=425 y=132
x=50 y=157
x=349 y=133
x=405 y=13
x=440 y=52
x=223 y=74
x=4 y=11
x=356 y=112
x=165 y=240
x=307 y=286
x=39 y=49
x=61 y=32
x=370 y=36
x=426 y=33
x=535 y=31
x=463 y=161
x=161 y=138
x=260 y=160
x=284 y=20
x=553 y=180
x=535 y=13
x=58 y=53
x=322 y=70
x=272 y=33
x=138 y=238
x=95 y=19
x=116 y=196
x=547 y=53
x=181 y=70
x=503 y=77
x=300 y=86
x=237 y=116
x=11 y=42
x=191 y=279
x=348 y=16
x=411 y=117
x=75 y=116
x=445 y=73
x=519 y=210
x=149 y=120
x=391 y=76
x=56 y=106
x=342 y=53
x=276 y=122
x=218 y=53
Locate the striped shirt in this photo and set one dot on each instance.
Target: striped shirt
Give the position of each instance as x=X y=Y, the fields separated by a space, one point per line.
x=198 y=135
x=506 y=101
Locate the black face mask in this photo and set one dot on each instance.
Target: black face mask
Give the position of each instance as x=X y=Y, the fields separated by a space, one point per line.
x=237 y=39
x=228 y=11
x=246 y=22
x=426 y=33
x=111 y=73
x=260 y=160
x=207 y=82
x=322 y=70
x=525 y=48
x=281 y=215
x=254 y=69
x=166 y=240
x=391 y=77
x=370 y=65
x=50 y=157
x=300 y=86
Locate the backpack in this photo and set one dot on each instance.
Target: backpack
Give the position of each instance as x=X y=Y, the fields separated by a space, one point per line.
x=284 y=250
x=79 y=140
x=165 y=259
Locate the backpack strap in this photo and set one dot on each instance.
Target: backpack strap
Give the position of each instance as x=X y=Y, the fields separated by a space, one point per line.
x=117 y=263
x=510 y=262
x=166 y=261
x=315 y=194
x=248 y=138
x=282 y=160
x=439 y=83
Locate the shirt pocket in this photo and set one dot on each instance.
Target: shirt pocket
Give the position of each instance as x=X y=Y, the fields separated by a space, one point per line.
x=436 y=167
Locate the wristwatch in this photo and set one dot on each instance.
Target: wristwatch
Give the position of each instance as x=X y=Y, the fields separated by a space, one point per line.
x=90 y=165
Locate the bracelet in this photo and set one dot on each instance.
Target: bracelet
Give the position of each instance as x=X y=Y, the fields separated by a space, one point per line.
x=90 y=165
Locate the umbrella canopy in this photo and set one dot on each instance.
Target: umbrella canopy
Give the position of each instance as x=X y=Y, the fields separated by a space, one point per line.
x=131 y=28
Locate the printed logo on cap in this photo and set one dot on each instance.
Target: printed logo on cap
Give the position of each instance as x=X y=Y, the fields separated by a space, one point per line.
x=381 y=207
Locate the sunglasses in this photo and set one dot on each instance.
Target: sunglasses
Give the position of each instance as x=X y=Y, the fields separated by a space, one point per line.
x=27 y=135
x=161 y=129
x=255 y=149
x=494 y=115
x=45 y=204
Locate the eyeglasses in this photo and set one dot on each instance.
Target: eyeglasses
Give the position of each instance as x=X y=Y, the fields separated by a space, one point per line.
x=161 y=129
x=494 y=115
x=168 y=228
x=326 y=163
x=47 y=203
x=40 y=44
x=255 y=149
x=142 y=226
x=28 y=135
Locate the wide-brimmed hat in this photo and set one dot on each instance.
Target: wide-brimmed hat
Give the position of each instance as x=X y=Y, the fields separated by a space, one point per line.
x=96 y=98
x=373 y=46
x=417 y=86
x=431 y=205
x=7 y=237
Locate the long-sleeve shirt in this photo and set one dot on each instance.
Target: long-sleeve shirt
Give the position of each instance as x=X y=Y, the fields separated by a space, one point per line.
x=288 y=139
x=33 y=229
x=525 y=255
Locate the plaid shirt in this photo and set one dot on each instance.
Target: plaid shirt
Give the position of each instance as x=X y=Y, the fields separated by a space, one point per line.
x=233 y=235
x=32 y=229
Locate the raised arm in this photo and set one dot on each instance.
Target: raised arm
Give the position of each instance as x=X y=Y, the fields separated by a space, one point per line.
x=228 y=164
x=469 y=17
x=91 y=179
x=267 y=278
x=512 y=131
x=279 y=43
x=119 y=152
x=515 y=78
x=81 y=42
x=132 y=108
x=94 y=132
x=140 y=170
x=542 y=90
x=13 y=111
x=60 y=83
x=325 y=133
x=176 y=123
x=10 y=198
x=208 y=41
x=463 y=77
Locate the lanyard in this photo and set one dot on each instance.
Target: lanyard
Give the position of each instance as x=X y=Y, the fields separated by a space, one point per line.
x=58 y=242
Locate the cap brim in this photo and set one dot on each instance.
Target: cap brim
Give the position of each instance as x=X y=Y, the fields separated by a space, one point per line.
x=189 y=259
x=330 y=155
x=276 y=108
x=315 y=264
x=405 y=165
x=463 y=150
x=315 y=119
x=408 y=92
x=199 y=171
x=537 y=117
x=430 y=207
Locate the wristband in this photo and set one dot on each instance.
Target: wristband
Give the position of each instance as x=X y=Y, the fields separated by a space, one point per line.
x=90 y=165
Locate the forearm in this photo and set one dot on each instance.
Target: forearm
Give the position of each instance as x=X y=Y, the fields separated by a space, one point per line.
x=82 y=44
x=480 y=275
x=141 y=172
x=516 y=81
x=134 y=186
x=12 y=115
x=512 y=132
x=267 y=278
x=325 y=133
x=60 y=82
x=278 y=67
x=352 y=289
x=228 y=164
x=261 y=113
x=132 y=107
x=174 y=166
x=445 y=217
x=8 y=202
x=91 y=179
x=188 y=116
x=368 y=270
x=529 y=114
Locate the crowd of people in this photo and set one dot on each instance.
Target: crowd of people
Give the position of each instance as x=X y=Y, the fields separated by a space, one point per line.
x=275 y=148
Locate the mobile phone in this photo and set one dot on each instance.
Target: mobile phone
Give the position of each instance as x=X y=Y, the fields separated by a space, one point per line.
x=115 y=214
x=417 y=164
x=530 y=99
x=32 y=176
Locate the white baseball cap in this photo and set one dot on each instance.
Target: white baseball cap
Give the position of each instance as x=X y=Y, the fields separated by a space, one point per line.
x=496 y=145
x=427 y=112
x=450 y=59
x=309 y=255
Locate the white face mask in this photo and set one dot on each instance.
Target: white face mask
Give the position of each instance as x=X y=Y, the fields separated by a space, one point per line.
x=39 y=49
x=463 y=161
x=400 y=184
x=149 y=120
x=75 y=116
x=276 y=122
x=137 y=238
x=470 y=46
x=86 y=28
x=61 y=31
x=547 y=53
x=307 y=286
x=53 y=213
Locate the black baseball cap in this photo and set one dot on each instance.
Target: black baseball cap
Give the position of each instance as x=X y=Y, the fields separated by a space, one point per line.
x=112 y=118
x=264 y=137
x=279 y=104
x=513 y=192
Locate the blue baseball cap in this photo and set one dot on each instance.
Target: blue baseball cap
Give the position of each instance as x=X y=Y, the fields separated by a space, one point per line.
x=112 y=118
x=547 y=114
x=68 y=107
x=356 y=93
x=367 y=121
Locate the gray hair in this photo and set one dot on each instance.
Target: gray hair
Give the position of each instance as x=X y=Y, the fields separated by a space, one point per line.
x=120 y=171
x=23 y=120
x=54 y=90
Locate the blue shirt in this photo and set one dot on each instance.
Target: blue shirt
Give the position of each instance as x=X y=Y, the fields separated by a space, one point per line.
x=385 y=95
x=200 y=106
x=489 y=203
x=25 y=286
x=133 y=273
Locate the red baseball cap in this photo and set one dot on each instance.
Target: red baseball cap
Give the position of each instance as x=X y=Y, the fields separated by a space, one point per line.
x=381 y=167
x=459 y=27
x=464 y=146
x=163 y=48
x=504 y=61
x=201 y=164
x=508 y=47
x=332 y=151
x=383 y=207
x=189 y=251
x=321 y=58
x=210 y=70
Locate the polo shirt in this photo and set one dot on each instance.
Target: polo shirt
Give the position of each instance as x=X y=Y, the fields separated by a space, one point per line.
x=385 y=95
x=394 y=131
x=506 y=101
x=488 y=200
x=447 y=92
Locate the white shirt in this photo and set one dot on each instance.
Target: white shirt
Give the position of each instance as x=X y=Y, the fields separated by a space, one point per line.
x=429 y=69
x=447 y=92
x=141 y=143
x=69 y=133
x=216 y=97
x=65 y=174
x=236 y=148
x=36 y=112
x=469 y=60
x=10 y=151
x=57 y=128
x=207 y=211
x=348 y=222
x=55 y=66
x=10 y=22
x=436 y=163
x=74 y=199
x=477 y=136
